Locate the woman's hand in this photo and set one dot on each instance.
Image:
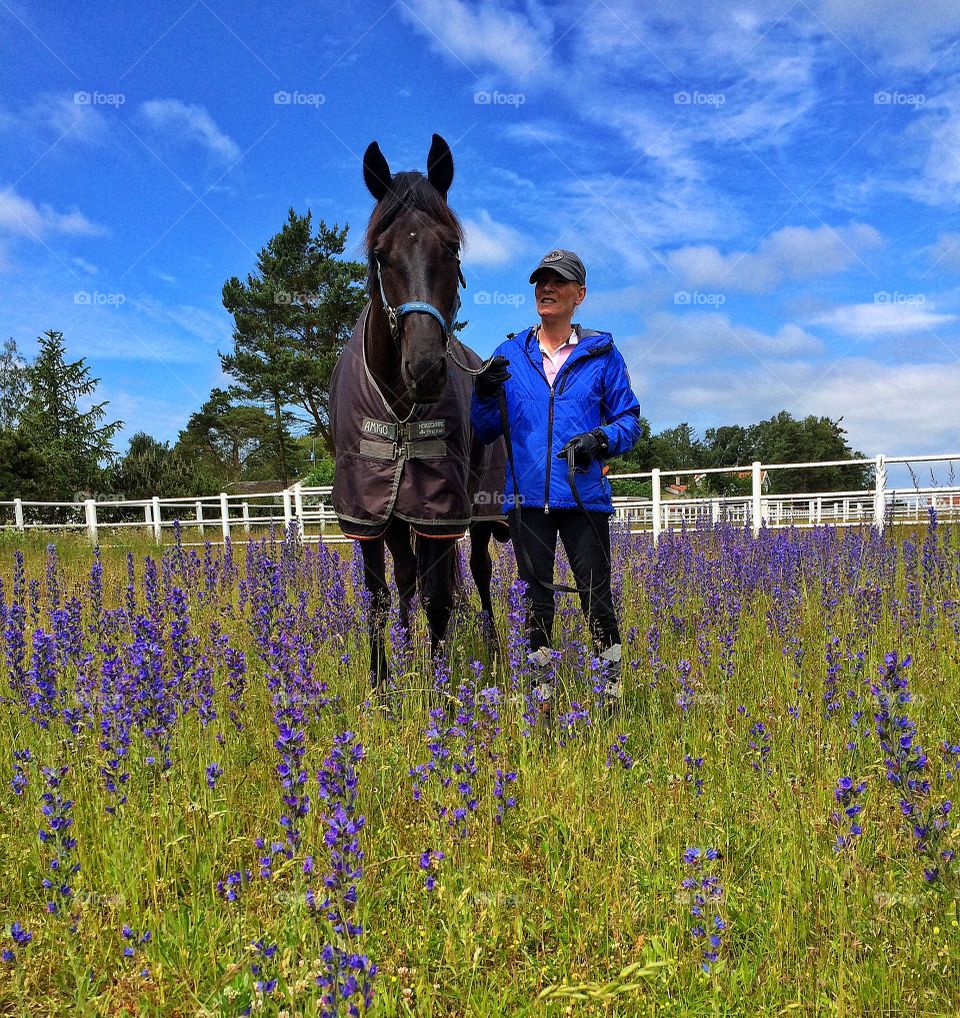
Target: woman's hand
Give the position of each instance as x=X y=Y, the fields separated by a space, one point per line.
x=490 y=381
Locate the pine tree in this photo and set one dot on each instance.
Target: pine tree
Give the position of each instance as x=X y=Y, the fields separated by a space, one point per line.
x=291 y=320
x=75 y=445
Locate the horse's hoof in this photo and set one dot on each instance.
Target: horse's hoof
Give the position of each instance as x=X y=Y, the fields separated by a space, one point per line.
x=385 y=698
x=485 y=625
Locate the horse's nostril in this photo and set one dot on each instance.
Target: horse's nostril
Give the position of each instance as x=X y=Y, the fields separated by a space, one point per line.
x=427 y=376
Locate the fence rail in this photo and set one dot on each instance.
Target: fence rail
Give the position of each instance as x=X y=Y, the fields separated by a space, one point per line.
x=310 y=509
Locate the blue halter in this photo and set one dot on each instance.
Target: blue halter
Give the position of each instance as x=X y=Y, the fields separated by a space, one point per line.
x=394 y=314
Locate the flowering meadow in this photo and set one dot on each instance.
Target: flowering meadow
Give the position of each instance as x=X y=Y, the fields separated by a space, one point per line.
x=206 y=812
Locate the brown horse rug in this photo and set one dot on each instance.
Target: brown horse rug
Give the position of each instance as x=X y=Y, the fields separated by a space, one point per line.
x=428 y=470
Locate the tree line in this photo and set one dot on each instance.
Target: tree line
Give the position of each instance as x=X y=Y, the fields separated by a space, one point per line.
x=292 y=315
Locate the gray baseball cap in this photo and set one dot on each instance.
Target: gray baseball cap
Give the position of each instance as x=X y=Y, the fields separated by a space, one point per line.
x=564 y=263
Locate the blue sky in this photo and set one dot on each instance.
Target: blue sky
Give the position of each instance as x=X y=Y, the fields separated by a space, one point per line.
x=765 y=194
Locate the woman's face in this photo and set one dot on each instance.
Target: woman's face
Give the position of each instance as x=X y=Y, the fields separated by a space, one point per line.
x=557 y=297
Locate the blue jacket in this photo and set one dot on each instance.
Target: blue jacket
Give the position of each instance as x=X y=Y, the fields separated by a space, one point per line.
x=591 y=390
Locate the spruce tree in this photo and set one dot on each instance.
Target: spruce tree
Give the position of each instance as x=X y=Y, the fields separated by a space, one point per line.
x=75 y=444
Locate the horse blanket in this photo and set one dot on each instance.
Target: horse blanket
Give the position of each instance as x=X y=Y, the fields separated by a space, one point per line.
x=429 y=469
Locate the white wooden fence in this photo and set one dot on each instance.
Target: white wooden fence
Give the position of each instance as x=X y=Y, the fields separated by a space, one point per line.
x=215 y=517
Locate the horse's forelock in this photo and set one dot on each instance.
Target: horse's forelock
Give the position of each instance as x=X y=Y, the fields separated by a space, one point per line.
x=410 y=192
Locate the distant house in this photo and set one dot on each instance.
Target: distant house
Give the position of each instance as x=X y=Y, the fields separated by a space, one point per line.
x=747 y=475
x=675 y=490
x=678 y=489
x=256 y=487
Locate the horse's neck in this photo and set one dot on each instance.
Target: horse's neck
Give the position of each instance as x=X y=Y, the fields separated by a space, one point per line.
x=383 y=361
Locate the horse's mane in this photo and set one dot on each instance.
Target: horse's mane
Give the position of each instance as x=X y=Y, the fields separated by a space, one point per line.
x=409 y=192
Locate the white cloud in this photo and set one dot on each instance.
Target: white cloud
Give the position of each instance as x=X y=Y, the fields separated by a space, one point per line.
x=893 y=313
x=56 y=115
x=489 y=242
x=944 y=254
x=482 y=35
x=936 y=133
x=20 y=216
x=544 y=132
x=702 y=337
x=899 y=33
x=84 y=266
x=794 y=252
x=896 y=409
x=181 y=122
x=211 y=327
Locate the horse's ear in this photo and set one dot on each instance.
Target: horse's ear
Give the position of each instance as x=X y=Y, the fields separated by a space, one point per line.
x=376 y=171
x=440 y=165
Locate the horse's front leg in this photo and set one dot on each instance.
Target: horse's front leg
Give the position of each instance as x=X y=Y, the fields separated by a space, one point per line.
x=404 y=566
x=481 y=568
x=375 y=580
x=437 y=568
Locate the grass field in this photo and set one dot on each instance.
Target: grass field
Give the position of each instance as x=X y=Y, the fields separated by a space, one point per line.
x=193 y=730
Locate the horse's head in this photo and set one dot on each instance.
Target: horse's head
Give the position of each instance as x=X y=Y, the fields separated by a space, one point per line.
x=413 y=246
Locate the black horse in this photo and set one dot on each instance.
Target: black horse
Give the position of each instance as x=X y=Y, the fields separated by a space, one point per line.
x=408 y=466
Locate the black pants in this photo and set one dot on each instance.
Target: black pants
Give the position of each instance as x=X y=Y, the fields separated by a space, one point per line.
x=586 y=540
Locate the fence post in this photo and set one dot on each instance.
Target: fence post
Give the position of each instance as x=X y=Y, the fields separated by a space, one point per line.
x=715 y=510
x=246 y=517
x=757 y=511
x=298 y=505
x=224 y=515
x=18 y=514
x=148 y=517
x=655 y=499
x=157 y=520
x=880 y=494
x=287 y=509
x=90 y=511
x=199 y=506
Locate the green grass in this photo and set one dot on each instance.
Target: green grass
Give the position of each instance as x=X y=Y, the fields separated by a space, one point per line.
x=546 y=914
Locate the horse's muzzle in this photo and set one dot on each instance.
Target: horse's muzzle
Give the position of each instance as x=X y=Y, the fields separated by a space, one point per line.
x=426 y=380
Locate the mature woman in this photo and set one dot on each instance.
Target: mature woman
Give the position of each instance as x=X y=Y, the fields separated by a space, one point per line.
x=567 y=396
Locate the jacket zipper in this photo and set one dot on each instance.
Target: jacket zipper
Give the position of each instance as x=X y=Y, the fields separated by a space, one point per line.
x=605 y=348
x=546 y=493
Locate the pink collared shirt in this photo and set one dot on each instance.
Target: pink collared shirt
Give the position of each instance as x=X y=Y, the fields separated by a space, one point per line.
x=552 y=362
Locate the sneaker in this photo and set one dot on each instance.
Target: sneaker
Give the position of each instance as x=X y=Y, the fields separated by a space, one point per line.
x=541 y=679
x=611 y=696
x=542 y=692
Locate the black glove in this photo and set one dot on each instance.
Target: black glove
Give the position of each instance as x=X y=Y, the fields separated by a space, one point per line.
x=490 y=381
x=586 y=447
